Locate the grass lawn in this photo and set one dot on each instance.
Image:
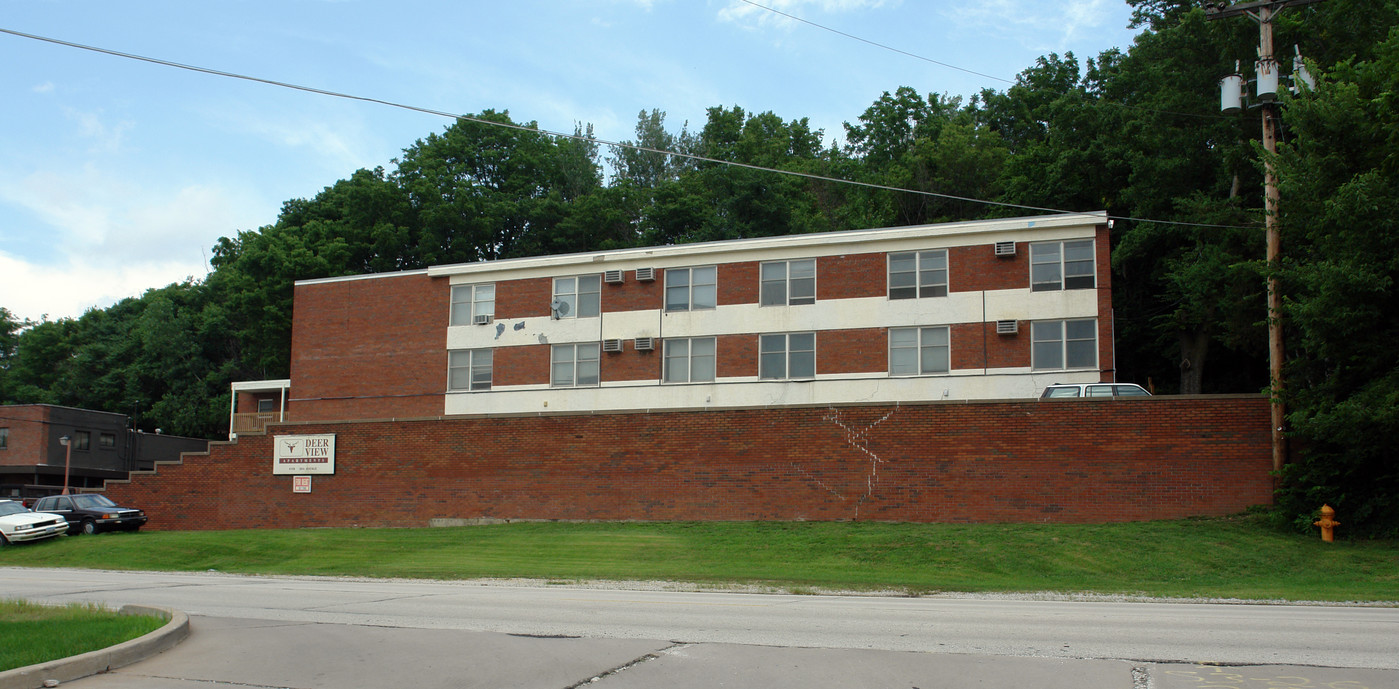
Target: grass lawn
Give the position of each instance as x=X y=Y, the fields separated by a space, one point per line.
x=1236 y=557
x=32 y=633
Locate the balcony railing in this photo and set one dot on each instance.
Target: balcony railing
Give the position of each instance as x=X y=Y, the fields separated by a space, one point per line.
x=253 y=423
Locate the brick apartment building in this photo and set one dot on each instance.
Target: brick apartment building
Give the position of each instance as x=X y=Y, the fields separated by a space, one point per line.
x=888 y=374
x=976 y=310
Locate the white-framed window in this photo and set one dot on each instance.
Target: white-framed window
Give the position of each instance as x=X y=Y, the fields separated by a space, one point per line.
x=919 y=351
x=469 y=370
x=689 y=360
x=469 y=301
x=787 y=355
x=1062 y=265
x=787 y=283
x=4 y=438
x=1064 y=344
x=578 y=297
x=574 y=365
x=917 y=274
x=691 y=289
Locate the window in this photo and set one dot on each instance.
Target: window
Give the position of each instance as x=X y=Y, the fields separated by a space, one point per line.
x=1061 y=265
x=690 y=289
x=578 y=297
x=106 y=441
x=689 y=361
x=790 y=355
x=920 y=274
x=4 y=438
x=917 y=351
x=574 y=365
x=266 y=406
x=788 y=283
x=469 y=370
x=470 y=301
x=82 y=440
x=1064 y=344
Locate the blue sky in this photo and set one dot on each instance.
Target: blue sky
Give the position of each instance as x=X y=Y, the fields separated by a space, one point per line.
x=117 y=176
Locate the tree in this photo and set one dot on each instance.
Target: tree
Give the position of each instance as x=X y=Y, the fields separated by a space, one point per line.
x=1340 y=226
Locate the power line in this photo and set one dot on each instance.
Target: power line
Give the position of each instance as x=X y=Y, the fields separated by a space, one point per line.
x=876 y=44
x=576 y=137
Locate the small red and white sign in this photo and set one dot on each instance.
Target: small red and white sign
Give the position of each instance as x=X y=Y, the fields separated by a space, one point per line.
x=301 y=484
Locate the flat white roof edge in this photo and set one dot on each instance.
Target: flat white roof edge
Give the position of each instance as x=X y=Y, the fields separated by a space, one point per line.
x=362 y=276
x=277 y=384
x=863 y=236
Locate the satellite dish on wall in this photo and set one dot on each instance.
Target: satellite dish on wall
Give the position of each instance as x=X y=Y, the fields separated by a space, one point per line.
x=559 y=308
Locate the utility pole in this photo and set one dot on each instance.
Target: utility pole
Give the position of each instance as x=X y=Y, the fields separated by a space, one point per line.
x=1263 y=12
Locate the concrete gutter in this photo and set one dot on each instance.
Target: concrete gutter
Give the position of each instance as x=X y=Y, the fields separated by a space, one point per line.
x=103 y=660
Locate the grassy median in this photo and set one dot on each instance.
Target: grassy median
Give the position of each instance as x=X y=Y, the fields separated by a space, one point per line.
x=31 y=633
x=1237 y=557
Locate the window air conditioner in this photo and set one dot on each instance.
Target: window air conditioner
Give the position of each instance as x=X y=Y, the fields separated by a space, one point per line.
x=644 y=344
x=611 y=345
x=1005 y=248
x=612 y=276
x=482 y=319
x=645 y=274
x=1007 y=327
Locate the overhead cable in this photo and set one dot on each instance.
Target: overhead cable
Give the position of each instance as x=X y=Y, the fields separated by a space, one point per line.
x=577 y=137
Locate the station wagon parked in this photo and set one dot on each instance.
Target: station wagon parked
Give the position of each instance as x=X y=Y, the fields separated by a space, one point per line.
x=1095 y=390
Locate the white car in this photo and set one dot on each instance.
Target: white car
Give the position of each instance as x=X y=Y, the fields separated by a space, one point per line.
x=19 y=525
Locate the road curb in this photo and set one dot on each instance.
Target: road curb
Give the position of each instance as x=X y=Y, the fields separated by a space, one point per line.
x=103 y=660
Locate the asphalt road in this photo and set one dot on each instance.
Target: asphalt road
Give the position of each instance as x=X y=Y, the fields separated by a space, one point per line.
x=573 y=635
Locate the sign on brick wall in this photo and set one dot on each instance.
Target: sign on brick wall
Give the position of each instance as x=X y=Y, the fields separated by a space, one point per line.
x=303 y=454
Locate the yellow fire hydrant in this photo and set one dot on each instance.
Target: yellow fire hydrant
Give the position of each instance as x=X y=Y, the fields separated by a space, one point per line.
x=1327 y=524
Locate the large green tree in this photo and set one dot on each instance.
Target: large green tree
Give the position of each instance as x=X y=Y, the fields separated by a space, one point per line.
x=1339 y=172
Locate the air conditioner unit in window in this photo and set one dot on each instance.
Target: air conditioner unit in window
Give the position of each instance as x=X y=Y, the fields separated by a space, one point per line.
x=611 y=345
x=644 y=344
x=1005 y=248
x=1007 y=327
x=612 y=276
x=645 y=274
x=482 y=319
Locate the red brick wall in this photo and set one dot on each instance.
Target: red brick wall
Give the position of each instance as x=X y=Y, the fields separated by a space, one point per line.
x=630 y=364
x=523 y=298
x=738 y=283
x=29 y=442
x=975 y=268
x=370 y=348
x=851 y=351
x=1010 y=461
x=850 y=276
x=526 y=365
x=633 y=295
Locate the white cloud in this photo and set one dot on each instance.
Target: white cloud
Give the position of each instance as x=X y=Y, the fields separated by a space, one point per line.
x=107 y=138
x=1042 y=26
x=46 y=87
x=69 y=289
x=89 y=237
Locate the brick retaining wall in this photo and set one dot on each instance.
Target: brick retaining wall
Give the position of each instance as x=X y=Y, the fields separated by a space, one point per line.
x=1002 y=461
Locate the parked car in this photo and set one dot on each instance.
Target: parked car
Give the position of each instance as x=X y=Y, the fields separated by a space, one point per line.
x=1095 y=390
x=19 y=525
x=90 y=513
